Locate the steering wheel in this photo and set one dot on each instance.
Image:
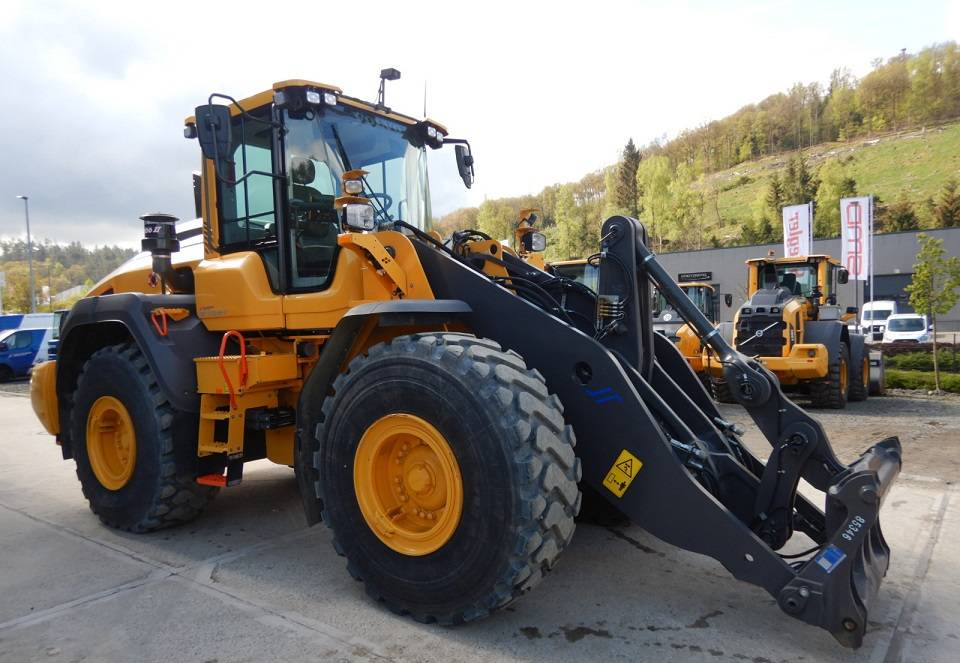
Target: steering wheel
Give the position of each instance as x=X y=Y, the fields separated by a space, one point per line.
x=387 y=199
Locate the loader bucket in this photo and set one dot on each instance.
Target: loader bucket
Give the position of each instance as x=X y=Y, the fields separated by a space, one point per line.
x=652 y=442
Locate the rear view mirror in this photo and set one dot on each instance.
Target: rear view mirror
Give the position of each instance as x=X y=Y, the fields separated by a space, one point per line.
x=465 y=164
x=728 y=300
x=213 y=130
x=534 y=242
x=4 y=347
x=302 y=170
x=843 y=276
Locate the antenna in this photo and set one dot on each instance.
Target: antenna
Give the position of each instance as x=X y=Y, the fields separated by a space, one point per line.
x=424 y=98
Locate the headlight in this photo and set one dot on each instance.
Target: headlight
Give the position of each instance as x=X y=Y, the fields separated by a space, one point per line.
x=358 y=216
x=353 y=187
x=313 y=97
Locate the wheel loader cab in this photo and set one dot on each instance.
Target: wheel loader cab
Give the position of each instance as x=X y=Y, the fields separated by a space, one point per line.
x=272 y=204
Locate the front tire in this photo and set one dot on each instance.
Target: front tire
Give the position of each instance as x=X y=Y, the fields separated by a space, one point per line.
x=833 y=391
x=453 y=423
x=120 y=429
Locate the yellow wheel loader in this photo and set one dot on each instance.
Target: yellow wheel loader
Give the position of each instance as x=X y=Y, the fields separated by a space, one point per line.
x=429 y=397
x=792 y=324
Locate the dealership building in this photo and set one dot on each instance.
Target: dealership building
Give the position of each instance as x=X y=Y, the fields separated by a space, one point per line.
x=895 y=255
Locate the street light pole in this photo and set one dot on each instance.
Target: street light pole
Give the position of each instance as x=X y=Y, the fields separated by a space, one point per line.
x=26 y=211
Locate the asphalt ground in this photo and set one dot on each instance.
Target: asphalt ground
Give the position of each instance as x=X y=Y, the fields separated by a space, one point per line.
x=247 y=581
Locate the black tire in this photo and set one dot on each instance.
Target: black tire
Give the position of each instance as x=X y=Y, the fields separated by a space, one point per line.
x=721 y=391
x=154 y=497
x=6 y=373
x=516 y=460
x=860 y=379
x=833 y=391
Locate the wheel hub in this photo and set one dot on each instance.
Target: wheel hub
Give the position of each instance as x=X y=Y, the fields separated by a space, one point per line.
x=111 y=442
x=408 y=485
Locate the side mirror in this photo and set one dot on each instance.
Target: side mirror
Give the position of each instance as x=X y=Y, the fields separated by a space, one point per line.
x=728 y=300
x=465 y=164
x=302 y=170
x=213 y=130
x=4 y=347
x=843 y=276
x=534 y=242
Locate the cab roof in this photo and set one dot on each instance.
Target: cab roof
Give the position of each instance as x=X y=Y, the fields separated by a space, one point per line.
x=795 y=260
x=266 y=97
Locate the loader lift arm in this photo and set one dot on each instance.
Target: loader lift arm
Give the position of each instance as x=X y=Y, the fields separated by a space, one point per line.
x=629 y=395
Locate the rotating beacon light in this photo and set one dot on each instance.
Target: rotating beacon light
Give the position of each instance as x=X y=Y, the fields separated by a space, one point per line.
x=160 y=239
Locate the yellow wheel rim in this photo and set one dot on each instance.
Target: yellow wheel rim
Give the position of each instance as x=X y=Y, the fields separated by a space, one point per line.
x=111 y=442
x=408 y=484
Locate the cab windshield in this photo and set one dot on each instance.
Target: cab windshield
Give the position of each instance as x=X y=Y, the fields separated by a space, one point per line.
x=342 y=139
x=797 y=279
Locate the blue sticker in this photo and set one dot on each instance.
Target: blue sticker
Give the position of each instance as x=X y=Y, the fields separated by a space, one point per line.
x=830 y=557
x=604 y=395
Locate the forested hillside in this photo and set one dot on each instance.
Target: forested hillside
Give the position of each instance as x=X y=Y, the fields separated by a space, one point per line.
x=890 y=134
x=57 y=266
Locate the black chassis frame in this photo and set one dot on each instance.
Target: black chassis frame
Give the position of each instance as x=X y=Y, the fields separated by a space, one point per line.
x=698 y=487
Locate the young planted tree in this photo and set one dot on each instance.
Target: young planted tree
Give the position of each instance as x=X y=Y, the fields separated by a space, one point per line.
x=933 y=288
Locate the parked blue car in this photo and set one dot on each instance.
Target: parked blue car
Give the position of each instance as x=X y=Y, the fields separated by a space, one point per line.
x=18 y=349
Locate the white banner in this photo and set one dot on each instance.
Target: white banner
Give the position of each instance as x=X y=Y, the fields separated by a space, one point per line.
x=856 y=227
x=797 y=230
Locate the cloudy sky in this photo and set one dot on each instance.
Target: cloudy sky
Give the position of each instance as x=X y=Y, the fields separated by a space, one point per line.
x=94 y=94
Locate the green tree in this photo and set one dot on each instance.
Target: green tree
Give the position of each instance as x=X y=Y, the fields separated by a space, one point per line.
x=496 y=219
x=798 y=185
x=653 y=179
x=899 y=215
x=765 y=223
x=933 y=289
x=834 y=184
x=686 y=210
x=627 y=191
x=946 y=213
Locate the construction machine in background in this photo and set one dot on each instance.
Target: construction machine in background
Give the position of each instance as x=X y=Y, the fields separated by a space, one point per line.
x=441 y=405
x=791 y=323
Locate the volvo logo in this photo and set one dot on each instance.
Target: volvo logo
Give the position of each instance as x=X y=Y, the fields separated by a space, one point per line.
x=759 y=334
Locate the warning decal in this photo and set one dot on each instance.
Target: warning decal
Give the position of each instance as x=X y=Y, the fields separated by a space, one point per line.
x=624 y=469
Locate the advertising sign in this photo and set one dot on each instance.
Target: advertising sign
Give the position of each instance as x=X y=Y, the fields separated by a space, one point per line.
x=856 y=227
x=797 y=230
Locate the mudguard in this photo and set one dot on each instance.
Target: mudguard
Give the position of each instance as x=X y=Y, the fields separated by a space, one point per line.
x=96 y=322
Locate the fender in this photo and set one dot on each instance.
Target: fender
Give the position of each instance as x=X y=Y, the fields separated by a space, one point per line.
x=96 y=322
x=830 y=333
x=427 y=313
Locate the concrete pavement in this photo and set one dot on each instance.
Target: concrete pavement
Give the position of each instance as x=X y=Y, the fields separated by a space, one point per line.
x=248 y=582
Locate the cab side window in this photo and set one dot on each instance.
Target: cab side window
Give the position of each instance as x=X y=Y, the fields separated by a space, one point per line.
x=248 y=218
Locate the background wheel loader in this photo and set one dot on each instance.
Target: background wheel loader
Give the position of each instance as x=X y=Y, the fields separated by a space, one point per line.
x=791 y=324
x=439 y=405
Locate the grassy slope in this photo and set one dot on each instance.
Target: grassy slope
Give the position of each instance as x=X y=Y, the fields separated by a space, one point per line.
x=917 y=162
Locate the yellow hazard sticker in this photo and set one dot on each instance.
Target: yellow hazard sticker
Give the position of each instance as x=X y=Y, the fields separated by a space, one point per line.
x=622 y=474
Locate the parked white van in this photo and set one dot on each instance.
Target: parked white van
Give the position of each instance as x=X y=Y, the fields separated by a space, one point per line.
x=873 y=317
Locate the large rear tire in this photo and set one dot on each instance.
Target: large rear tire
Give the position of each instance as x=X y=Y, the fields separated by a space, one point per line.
x=120 y=429
x=833 y=391
x=434 y=426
